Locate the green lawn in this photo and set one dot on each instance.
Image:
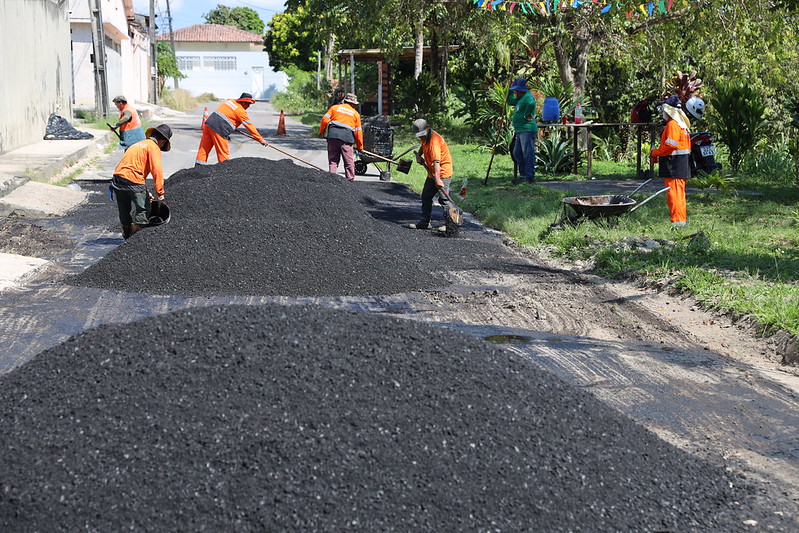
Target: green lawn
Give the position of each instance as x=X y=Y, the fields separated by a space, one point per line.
x=739 y=253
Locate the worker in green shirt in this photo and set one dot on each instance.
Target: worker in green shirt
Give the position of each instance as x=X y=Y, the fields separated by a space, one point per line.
x=525 y=128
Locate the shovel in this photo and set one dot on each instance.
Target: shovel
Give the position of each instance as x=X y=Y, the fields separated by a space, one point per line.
x=284 y=152
x=114 y=130
x=403 y=165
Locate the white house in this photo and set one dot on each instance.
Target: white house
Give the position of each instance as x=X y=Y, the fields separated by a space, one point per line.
x=127 y=52
x=224 y=61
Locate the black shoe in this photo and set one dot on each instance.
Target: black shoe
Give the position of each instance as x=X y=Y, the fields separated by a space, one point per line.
x=517 y=181
x=530 y=180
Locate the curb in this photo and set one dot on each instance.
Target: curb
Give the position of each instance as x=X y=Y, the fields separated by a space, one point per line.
x=49 y=170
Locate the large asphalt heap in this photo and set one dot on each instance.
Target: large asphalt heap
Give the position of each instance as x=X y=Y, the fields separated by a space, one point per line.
x=273 y=418
x=252 y=226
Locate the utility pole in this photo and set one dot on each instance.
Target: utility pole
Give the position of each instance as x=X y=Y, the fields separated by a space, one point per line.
x=153 y=57
x=172 y=39
x=98 y=42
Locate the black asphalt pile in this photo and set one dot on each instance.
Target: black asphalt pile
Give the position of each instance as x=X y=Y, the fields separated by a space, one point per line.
x=253 y=226
x=278 y=418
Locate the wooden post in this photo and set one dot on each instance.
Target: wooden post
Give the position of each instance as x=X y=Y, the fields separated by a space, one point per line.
x=575 y=150
x=589 y=150
x=638 y=143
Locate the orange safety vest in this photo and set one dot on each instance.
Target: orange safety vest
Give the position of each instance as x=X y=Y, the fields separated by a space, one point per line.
x=673 y=141
x=141 y=160
x=436 y=149
x=134 y=122
x=228 y=116
x=344 y=116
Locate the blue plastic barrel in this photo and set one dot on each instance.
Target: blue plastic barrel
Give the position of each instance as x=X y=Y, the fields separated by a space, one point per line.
x=551 y=111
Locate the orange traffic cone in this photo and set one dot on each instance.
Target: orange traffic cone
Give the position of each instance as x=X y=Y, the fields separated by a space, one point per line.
x=281 y=124
x=463 y=188
x=205 y=114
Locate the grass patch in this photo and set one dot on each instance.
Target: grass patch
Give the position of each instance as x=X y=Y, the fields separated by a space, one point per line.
x=739 y=254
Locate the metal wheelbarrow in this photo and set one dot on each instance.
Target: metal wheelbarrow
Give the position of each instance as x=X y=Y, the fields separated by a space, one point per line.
x=601 y=208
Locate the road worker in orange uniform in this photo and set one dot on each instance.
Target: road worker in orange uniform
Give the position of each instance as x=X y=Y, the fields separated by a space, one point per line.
x=435 y=157
x=674 y=157
x=129 y=124
x=342 y=123
x=221 y=123
x=130 y=175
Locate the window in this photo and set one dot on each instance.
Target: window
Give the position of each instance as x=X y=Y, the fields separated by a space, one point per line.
x=219 y=63
x=188 y=63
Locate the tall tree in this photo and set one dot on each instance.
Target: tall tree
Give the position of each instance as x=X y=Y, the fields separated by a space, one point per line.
x=243 y=18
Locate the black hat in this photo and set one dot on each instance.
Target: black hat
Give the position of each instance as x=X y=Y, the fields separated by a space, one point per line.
x=246 y=97
x=163 y=131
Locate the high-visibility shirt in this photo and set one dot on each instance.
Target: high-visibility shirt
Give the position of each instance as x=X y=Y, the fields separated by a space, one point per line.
x=674 y=152
x=227 y=117
x=141 y=160
x=342 y=121
x=134 y=122
x=436 y=149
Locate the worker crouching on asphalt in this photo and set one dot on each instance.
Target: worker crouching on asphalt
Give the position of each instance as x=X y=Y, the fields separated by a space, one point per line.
x=129 y=124
x=674 y=158
x=130 y=175
x=342 y=123
x=221 y=123
x=435 y=157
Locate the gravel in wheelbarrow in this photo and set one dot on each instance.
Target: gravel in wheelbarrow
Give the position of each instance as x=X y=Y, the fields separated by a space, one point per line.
x=600 y=206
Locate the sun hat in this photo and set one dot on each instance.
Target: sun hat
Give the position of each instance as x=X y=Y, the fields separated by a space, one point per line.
x=120 y=98
x=519 y=84
x=245 y=97
x=420 y=126
x=673 y=108
x=163 y=131
x=350 y=98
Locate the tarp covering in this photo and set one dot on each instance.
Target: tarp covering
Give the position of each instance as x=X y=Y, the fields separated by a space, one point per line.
x=59 y=129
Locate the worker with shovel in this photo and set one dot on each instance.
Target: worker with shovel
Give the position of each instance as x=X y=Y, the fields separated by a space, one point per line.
x=130 y=175
x=674 y=158
x=342 y=123
x=435 y=157
x=221 y=123
x=128 y=127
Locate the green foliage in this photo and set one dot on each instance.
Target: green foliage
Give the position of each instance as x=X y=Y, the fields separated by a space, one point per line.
x=301 y=95
x=714 y=180
x=554 y=154
x=737 y=119
x=492 y=121
x=167 y=64
x=243 y=18
x=292 y=41
x=567 y=98
x=420 y=97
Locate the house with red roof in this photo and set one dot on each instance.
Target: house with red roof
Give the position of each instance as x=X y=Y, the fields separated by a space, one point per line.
x=224 y=61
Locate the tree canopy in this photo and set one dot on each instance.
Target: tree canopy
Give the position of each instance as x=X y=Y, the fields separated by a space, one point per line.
x=243 y=18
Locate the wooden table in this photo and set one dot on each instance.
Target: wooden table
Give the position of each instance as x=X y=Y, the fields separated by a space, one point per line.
x=652 y=127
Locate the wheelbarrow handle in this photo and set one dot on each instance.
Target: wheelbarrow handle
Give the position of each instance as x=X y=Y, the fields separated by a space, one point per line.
x=645 y=201
x=414 y=147
x=640 y=186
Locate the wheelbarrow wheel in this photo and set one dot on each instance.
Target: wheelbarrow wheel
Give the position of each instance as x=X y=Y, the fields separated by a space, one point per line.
x=360 y=168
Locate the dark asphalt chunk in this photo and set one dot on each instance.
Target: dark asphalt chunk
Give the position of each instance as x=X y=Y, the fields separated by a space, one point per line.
x=253 y=226
x=275 y=418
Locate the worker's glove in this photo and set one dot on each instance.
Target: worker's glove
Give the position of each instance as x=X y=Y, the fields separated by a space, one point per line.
x=160 y=197
x=654 y=158
x=263 y=142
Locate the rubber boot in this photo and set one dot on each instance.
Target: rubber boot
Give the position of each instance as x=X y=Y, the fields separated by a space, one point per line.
x=126 y=231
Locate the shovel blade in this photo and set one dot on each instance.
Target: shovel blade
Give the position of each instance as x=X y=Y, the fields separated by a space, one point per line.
x=404 y=166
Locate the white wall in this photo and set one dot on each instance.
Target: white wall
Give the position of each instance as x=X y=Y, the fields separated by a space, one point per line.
x=35 y=67
x=261 y=82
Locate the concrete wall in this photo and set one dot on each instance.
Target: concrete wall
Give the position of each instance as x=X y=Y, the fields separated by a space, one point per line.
x=35 y=66
x=252 y=74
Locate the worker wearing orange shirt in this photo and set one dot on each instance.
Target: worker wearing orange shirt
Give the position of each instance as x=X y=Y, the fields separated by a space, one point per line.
x=674 y=158
x=129 y=124
x=130 y=175
x=435 y=157
x=342 y=123
x=221 y=123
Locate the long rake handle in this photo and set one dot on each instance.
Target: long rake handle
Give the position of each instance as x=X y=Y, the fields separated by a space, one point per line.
x=283 y=152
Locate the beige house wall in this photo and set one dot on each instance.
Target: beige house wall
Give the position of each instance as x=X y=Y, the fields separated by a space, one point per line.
x=35 y=62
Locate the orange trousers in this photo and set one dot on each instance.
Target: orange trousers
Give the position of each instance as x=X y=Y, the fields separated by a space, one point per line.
x=212 y=140
x=675 y=199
